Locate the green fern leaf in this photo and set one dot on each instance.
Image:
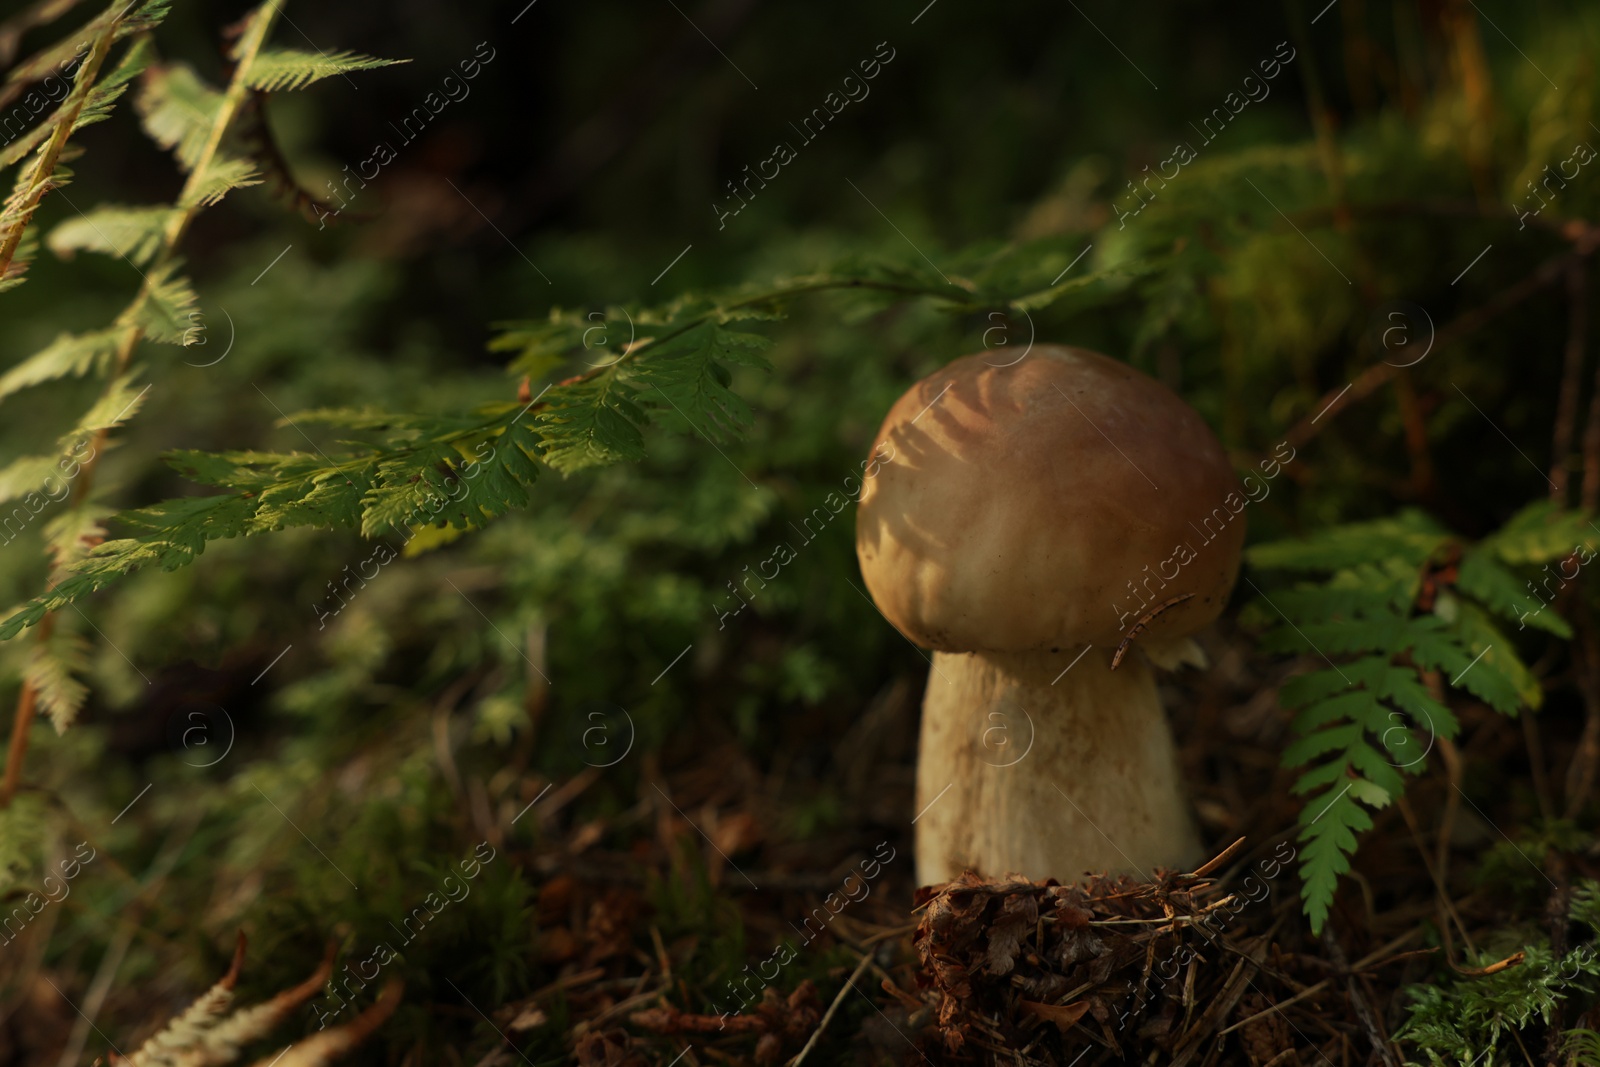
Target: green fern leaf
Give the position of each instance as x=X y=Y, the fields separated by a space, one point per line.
x=70 y=535
x=1435 y=646
x=1499 y=590
x=1327 y=842
x=252 y=471
x=689 y=374
x=178 y=111
x=426 y=476
x=222 y=175
x=167 y=314
x=169 y=534
x=16 y=271
x=591 y=424
x=55 y=57
x=53 y=667
x=134 y=233
x=1478 y=633
x=541 y=347
x=403 y=488
x=68 y=356
x=102 y=99
x=120 y=402
x=1410 y=537
x=1542 y=532
x=308 y=492
x=27 y=476
x=279 y=69
x=1087 y=290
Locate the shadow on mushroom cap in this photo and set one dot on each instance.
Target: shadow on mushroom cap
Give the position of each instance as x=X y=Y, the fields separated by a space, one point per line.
x=1020 y=507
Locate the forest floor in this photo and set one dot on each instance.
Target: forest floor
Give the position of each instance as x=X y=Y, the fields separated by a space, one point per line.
x=725 y=909
x=1204 y=967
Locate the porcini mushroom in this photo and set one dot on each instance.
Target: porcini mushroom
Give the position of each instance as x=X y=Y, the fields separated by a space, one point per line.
x=1029 y=523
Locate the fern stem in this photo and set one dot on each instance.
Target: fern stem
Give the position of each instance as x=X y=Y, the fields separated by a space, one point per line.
x=763 y=298
x=27 y=705
x=45 y=166
x=233 y=100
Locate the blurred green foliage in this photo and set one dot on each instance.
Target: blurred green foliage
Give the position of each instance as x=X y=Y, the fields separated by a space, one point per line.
x=993 y=151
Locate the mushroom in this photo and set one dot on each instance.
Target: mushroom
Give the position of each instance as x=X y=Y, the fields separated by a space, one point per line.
x=1029 y=522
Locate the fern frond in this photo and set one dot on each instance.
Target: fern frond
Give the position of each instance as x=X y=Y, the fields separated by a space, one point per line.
x=40 y=176
x=1542 y=532
x=280 y=69
x=118 y=20
x=1328 y=842
x=189 y=1028
x=27 y=250
x=690 y=375
x=1357 y=724
x=225 y=1039
x=52 y=668
x=325 y=1046
x=166 y=313
x=68 y=356
x=103 y=97
x=591 y=424
x=1497 y=589
x=69 y=536
x=1410 y=537
x=24 y=829
x=429 y=474
x=205 y=1036
x=178 y=111
x=134 y=233
x=120 y=402
x=222 y=175
x=26 y=476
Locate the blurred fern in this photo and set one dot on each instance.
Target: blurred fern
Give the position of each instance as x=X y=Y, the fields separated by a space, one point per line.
x=461 y=471
x=197 y=124
x=1402 y=608
x=207 y=1032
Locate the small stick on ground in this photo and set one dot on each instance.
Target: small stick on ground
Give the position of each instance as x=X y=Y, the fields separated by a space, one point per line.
x=1581 y=771
x=1566 y=421
x=828 y=1015
x=1439 y=887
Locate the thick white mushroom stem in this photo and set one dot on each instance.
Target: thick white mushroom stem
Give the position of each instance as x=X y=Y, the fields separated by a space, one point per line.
x=1024 y=769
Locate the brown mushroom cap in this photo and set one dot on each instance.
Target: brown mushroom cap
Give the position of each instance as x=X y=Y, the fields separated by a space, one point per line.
x=1013 y=505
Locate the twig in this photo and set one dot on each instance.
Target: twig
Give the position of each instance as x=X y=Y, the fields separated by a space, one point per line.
x=619 y=1008
x=1581 y=771
x=1577 y=340
x=1371 y=959
x=1218 y=1009
x=1308 y=991
x=1379 y=374
x=1494 y=968
x=1359 y=1002
x=1450 y=756
x=21 y=723
x=1444 y=896
x=1415 y=427
x=1566 y=422
x=1218 y=860
x=828 y=1015
x=1541 y=779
